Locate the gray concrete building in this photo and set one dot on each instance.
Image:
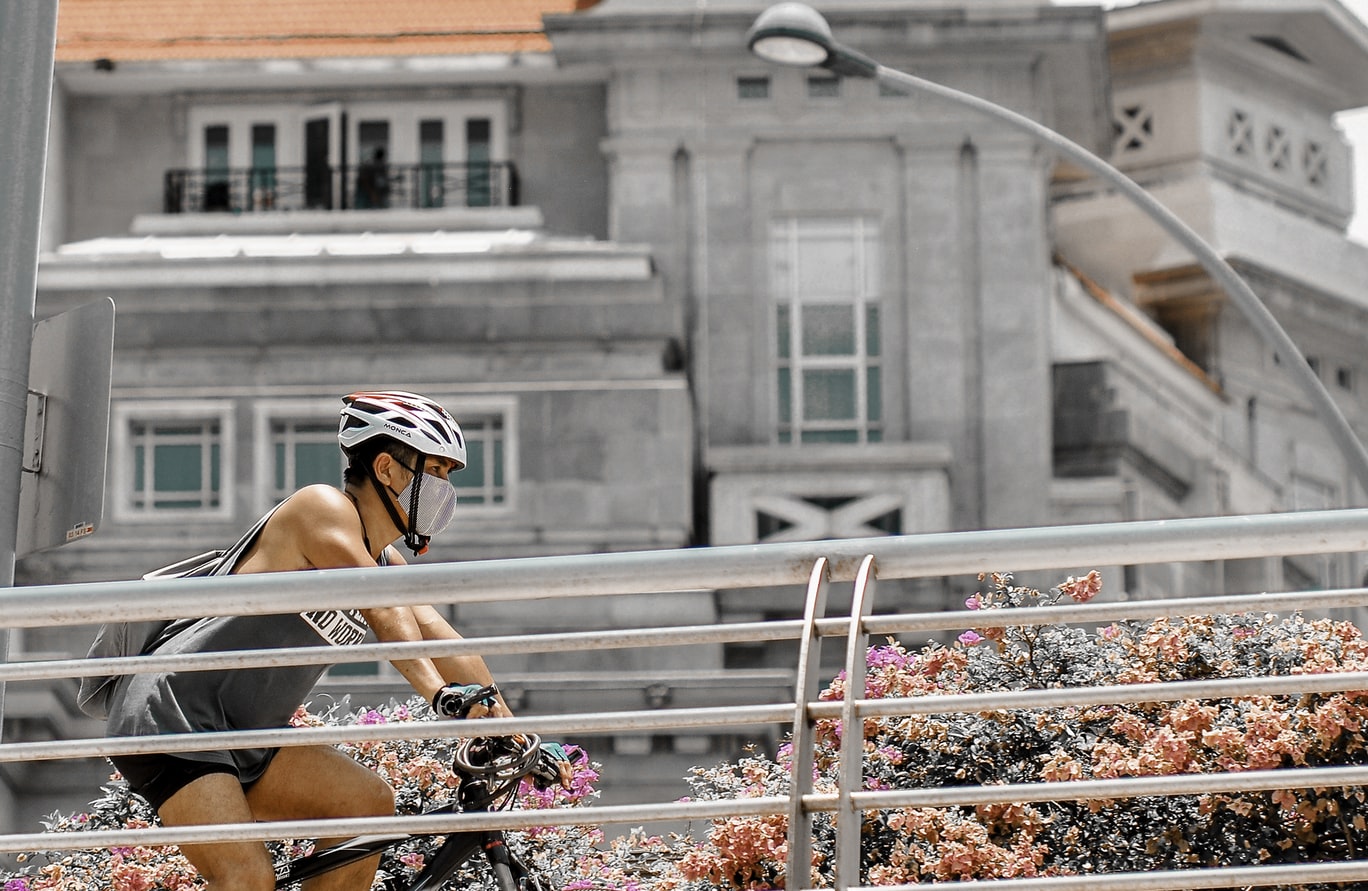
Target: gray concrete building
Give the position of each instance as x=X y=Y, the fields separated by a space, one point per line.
x=679 y=298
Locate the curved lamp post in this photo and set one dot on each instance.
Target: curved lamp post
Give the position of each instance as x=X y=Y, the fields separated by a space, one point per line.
x=795 y=34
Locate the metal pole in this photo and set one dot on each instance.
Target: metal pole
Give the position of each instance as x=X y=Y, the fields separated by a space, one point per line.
x=28 y=39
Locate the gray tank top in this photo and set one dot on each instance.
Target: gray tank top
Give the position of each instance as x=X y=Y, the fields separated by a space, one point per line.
x=243 y=699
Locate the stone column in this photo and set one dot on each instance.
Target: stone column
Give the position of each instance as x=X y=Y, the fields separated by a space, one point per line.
x=1014 y=298
x=941 y=325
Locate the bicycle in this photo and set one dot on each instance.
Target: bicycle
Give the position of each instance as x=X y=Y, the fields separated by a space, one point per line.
x=490 y=769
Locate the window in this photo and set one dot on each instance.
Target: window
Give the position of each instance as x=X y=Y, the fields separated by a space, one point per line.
x=824 y=279
x=294 y=445
x=478 y=185
x=172 y=460
x=261 y=182
x=431 y=139
x=752 y=87
x=216 y=168
x=303 y=452
x=372 y=168
x=485 y=478
x=821 y=86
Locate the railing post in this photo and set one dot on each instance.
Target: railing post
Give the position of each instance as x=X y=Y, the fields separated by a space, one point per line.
x=798 y=867
x=848 y=817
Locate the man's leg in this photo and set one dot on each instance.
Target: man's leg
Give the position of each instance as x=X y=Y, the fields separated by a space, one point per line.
x=227 y=866
x=315 y=782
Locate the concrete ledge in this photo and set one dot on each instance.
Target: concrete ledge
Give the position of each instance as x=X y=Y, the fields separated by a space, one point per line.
x=285 y=222
x=872 y=456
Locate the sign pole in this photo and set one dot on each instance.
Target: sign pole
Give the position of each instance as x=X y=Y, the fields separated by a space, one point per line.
x=28 y=38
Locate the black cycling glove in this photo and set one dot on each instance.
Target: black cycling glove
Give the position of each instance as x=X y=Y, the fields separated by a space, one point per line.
x=456 y=700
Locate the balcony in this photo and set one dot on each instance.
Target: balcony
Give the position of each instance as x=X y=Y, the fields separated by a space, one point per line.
x=363 y=187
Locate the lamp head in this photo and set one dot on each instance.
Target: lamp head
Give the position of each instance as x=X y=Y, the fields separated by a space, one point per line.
x=791 y=34
x=796 y=34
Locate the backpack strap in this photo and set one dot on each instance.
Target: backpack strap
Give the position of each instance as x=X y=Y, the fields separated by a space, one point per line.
x=228 y=562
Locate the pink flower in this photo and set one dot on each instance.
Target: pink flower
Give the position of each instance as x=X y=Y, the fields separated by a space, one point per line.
x=973 y=602
x=969 y=638
x=1084 y=589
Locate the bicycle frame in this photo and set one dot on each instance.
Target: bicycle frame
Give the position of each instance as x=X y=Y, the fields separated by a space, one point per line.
x=509 y=872
x=455 y=851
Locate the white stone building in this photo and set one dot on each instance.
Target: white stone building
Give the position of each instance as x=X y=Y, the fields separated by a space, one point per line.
x=677 y=297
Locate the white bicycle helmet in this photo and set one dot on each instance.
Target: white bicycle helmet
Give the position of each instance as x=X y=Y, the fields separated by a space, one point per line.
x=411 y=419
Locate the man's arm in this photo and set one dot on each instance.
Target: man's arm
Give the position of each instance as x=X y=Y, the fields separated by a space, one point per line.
x=398 y=623
x=457 y=669
x=452 y=669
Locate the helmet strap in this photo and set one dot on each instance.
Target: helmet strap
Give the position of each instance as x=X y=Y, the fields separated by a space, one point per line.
x=415 y=542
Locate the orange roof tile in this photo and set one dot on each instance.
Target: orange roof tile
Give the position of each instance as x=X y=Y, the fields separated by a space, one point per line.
x=154 y=30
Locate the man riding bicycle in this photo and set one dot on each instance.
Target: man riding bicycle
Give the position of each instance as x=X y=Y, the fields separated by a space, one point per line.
x=400 y=450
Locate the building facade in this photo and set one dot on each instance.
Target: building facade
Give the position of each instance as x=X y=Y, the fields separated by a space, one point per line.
x=679 y=298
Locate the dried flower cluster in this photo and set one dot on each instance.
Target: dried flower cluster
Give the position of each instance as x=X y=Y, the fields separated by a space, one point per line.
x=916 y=845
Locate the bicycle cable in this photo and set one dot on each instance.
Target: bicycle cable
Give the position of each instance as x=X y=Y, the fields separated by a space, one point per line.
x=500 y=762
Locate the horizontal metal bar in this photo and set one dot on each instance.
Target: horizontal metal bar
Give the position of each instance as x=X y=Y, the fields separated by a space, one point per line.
x=691 y=569
x=440 y=824
x=276 y=657
x=1104 y=612
x=637 y=721
x=1059 y=697
x=1090 y=790
x=684 y=635
x=419 y=825
x=1169 y=879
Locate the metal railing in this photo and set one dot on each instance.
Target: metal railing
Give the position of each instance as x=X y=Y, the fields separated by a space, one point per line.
x=348 y=187
x=814 y=564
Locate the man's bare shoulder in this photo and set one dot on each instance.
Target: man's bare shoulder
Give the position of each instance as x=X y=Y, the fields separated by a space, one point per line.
x=319 y=503
x=316 y=527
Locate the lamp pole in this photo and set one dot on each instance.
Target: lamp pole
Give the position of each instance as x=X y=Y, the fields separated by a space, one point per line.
x=794 y=34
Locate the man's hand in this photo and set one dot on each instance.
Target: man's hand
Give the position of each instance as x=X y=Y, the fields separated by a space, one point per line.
x=553 y=767
x=465 y=700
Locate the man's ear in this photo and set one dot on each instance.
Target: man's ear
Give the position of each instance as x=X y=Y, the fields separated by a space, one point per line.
x=383 y=466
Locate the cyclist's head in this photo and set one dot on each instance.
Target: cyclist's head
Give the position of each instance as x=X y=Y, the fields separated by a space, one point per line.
x=410 y=429
x=405 y=425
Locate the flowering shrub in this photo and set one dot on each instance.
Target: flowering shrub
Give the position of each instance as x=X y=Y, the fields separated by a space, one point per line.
x=911 y=845
x=914 y=845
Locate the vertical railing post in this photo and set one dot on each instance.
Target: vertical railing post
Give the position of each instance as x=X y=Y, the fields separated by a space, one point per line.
x=798 y=867
x=848 y=819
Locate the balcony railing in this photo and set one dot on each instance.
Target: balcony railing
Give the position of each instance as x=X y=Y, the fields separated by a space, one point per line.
x=363 y=187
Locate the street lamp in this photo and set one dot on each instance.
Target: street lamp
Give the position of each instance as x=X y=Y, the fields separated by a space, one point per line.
x=795 y=34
